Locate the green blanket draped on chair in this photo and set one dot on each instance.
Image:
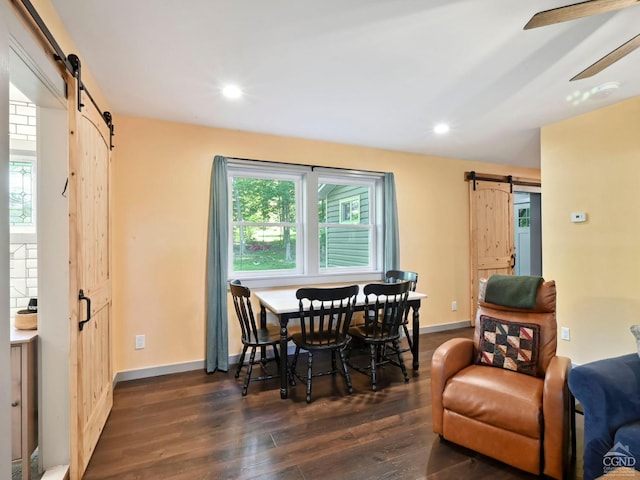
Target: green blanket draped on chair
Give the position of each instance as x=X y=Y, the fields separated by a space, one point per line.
x=513 y=291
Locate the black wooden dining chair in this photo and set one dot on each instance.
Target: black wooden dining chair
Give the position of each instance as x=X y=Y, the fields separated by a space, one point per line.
x=253 y=336
x=393 y=276
x=385 y=305
x=325 y=317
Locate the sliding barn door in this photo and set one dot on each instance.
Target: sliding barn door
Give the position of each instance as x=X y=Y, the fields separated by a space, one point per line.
x=492 y=236
x=91 y=377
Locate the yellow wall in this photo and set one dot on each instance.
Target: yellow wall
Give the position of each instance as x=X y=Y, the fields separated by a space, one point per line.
x=591 y=163
x=161 y=195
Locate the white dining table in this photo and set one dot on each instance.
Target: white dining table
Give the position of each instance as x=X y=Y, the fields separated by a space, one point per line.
x=284 y=305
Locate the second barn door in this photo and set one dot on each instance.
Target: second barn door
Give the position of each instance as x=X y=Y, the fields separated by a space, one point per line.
x=492 y=235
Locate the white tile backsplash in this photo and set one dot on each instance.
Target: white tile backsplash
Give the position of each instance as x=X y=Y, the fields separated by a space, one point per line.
x=23 y=272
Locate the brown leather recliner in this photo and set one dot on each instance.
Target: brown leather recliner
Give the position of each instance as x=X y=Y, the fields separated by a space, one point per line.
x=517 y=418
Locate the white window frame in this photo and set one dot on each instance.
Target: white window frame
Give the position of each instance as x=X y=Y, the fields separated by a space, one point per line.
x=307 y=224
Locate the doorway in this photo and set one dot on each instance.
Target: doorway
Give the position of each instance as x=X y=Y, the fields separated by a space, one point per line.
x=39 y=235
x=527 y=233
x=505 y=229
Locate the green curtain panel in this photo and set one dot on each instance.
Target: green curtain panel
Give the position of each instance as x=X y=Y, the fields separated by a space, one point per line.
x=391 y=235
x=217 y=341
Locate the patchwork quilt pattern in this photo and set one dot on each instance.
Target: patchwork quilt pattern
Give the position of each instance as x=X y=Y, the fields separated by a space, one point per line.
x=509 y=345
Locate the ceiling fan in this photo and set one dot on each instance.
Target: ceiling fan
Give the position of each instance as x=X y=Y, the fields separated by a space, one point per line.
x=586 y=9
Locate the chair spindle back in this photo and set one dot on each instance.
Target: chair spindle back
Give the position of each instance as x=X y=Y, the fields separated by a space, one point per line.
x=244 y=311
x=326 y=313
x=385 y=307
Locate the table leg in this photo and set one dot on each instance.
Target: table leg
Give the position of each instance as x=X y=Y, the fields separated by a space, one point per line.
x=415 y=350
x=572 y=419
x=284 y=389
x=263 y=325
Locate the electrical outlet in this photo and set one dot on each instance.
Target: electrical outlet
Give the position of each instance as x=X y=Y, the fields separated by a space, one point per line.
x=579 y=217
x=565 y=333
x=140 y=342
x=454 y=306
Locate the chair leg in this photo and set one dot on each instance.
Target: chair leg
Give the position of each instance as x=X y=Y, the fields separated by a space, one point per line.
x=409 y=339
x=252 y=359
x=347 y=377
x=244 y=351
x=374 y=378
x=396 y=346
x=292 y=367
x=334 y=366
x=276 y=355
x=309 y=375
x=294 y=362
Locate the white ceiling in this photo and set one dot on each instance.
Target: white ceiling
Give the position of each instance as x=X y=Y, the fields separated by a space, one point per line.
x=377 y=73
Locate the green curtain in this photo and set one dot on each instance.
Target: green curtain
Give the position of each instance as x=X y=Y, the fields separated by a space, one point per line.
x=217 y=341
x=391 y=235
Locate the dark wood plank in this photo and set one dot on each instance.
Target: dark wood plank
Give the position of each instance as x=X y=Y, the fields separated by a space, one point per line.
x=198 y=426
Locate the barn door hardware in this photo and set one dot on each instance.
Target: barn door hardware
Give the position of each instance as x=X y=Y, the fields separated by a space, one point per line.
x=107 y=118
x=510 y=179
x=74 y=60
x=88 y=300
x=472 y=176
x=71 y=62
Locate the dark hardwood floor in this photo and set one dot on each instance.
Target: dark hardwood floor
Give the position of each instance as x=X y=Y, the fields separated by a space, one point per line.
x=198 y=426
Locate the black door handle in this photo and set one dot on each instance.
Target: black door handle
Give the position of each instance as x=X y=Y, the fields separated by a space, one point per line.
x=88 y=300
x=513 y=260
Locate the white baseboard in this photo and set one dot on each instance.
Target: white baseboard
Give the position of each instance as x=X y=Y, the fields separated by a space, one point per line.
x=233 y=359
x=157 y=371
x=445 y=326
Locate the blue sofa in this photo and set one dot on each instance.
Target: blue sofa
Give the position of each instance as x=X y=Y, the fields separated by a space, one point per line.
x=609 y=391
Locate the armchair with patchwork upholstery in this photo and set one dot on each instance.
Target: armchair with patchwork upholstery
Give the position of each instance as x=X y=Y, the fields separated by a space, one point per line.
x=504 y=394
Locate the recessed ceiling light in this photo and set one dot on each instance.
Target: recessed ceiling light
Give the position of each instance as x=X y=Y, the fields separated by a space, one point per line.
x=604 y=90
x=441 y=128
x=232 y=92
x=598 y=92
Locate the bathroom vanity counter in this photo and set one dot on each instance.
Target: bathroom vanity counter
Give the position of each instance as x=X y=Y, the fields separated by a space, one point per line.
x=24 y=397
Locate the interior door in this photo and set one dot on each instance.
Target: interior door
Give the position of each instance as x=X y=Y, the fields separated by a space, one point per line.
x=522 y=228
x=91 y=377
x=492 y=236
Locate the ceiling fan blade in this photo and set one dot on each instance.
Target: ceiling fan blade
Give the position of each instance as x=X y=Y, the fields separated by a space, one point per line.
x=609 y=59
x=577 y=10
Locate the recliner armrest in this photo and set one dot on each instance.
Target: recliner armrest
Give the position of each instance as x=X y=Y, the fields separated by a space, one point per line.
x=448 y=359
x=555 y=410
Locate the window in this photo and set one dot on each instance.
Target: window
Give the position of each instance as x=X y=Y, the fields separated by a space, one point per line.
x=264 y=222
x=303 y=223
x=22 y=164
x=350 y=210
x=346 y=233
x=524 y=217
x=21 y=193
